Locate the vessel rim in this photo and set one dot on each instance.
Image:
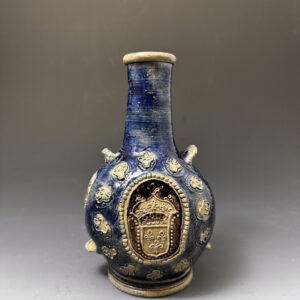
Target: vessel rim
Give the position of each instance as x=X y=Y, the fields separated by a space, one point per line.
x=148 y=56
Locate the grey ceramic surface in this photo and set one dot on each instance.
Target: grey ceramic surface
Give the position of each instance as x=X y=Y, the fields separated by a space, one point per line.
x=63 y=94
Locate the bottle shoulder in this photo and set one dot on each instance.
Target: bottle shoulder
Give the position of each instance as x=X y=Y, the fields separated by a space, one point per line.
x=121 y=170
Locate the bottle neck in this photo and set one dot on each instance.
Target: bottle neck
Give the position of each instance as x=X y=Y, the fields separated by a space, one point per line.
x=148 y=121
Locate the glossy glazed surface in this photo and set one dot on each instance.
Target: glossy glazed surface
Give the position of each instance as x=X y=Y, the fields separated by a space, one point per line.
x=149 y=178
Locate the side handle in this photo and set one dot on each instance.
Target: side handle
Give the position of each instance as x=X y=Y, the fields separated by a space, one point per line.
x=189 y=154
x=109 y=156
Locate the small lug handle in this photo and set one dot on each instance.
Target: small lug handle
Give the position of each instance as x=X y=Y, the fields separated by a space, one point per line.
x=189 y=154
x=109 y=156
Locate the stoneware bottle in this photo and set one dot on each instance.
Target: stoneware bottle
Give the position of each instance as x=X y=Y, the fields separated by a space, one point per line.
x=148 y=210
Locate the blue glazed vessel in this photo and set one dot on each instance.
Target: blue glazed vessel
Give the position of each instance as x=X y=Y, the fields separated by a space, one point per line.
x=148 y=209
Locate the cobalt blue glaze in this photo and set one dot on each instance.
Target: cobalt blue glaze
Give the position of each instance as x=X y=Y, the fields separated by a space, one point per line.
x=148 y=121
x=151 y=229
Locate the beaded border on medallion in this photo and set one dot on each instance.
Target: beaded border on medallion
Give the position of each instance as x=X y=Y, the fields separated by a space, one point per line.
x=123 y=205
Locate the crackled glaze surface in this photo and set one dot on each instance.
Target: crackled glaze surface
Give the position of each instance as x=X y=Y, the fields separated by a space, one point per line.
x=148 y=209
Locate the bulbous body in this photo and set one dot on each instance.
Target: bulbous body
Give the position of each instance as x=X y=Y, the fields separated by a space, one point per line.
x=148 y=209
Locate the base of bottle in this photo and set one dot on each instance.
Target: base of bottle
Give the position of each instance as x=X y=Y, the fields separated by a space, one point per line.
x=153 y=289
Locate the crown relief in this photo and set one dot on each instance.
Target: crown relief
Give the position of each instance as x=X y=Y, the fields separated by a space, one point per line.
x=154 y=204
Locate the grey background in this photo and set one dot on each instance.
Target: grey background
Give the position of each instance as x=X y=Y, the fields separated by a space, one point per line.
x=63 y=96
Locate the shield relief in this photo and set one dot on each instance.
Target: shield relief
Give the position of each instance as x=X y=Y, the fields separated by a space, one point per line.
x=155 y=239
x=155 y=218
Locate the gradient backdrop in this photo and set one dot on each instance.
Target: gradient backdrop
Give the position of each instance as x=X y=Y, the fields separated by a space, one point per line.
x=236 y=90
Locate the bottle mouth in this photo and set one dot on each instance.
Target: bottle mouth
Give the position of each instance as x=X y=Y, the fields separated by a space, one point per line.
x=148 y=56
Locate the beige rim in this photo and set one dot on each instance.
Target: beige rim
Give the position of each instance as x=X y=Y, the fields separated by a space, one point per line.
x=149 y=56
x=154 y=291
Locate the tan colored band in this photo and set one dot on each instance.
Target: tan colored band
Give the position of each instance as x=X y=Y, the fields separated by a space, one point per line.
x=149 y=56
x=154 y=291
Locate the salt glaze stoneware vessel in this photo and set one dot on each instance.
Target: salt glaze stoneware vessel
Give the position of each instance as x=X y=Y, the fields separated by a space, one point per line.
x=148 y=210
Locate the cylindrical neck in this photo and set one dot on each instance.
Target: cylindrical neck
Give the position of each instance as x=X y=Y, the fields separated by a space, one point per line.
x=148 y=121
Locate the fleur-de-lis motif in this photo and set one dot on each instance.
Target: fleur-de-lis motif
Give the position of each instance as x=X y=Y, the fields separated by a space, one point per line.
x=181 y=266
x=128 y=270
x=119 y=171
x=154 y=275
x=156 y=243
x=103 y=194
x=110 y=253
x=196 y=183
x=101 y=224
x=203 y=209
x=146 y=159
x=173 y=165
x=204 y=235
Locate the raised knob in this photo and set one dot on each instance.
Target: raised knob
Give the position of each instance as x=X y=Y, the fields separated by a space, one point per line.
x=90 y=246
